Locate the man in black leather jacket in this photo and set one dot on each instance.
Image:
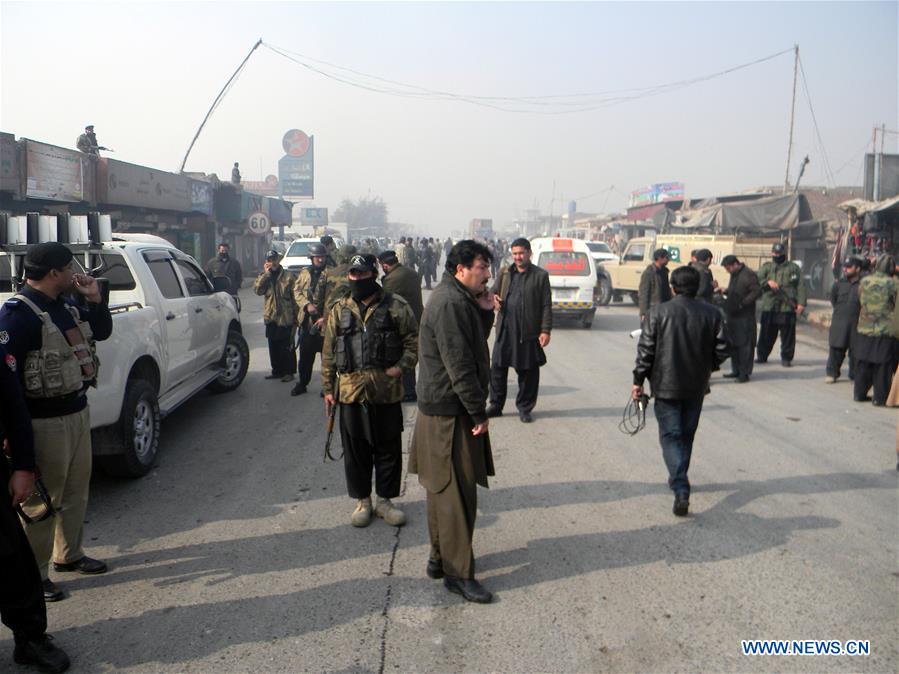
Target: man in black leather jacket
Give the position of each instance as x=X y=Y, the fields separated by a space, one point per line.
x=682 y=343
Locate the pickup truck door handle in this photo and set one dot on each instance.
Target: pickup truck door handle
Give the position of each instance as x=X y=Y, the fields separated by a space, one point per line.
x=198 y=310
x=170 y=316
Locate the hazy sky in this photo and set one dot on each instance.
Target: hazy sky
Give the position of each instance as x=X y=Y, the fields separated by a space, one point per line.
x=145 y=74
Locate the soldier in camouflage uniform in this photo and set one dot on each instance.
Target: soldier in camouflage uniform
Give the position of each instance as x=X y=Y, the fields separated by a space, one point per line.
x=309 y=314
x=334 y=286
x=875 y=344
x=279 y=316
x=370 y=340
x=783 y=300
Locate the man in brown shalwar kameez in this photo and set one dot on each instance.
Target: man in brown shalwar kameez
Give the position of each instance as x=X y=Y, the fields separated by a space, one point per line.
x=450 y=449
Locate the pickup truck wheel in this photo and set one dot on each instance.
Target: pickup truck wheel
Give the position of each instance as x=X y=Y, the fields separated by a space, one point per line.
x=235 y=362
x=136 y=432
x=605 y=292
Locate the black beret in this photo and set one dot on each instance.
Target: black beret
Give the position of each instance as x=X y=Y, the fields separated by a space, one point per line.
x=388 y=257
x=49 y=255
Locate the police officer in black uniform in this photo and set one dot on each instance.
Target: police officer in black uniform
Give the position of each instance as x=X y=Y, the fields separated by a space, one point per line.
x=22 y=607
x=51 y=339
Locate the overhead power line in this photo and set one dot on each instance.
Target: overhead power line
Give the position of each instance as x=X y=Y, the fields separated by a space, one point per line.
x=828 y=171
x=548 y=104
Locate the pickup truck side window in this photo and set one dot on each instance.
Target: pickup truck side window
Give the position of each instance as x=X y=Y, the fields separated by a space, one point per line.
x=635 y=253
x=116 y=270
x=194 y=279
x=160 y=264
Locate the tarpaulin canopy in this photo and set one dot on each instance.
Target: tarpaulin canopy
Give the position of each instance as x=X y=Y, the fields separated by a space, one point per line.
x=861 y=206
x=757 y=216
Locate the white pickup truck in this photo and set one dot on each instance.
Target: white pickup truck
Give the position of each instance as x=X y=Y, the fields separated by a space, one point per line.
x=174 y=334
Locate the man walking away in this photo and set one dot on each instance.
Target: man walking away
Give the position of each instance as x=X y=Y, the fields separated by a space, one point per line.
x=875 y=345
x=783 y=299
x=371 y=338
x=450 y=448
x=400 y=280
x=654 y=287
x=682 y=343
x=275 y=284
x=524 y=321
x=844 y=322
x=224 y=266
x=739 y=308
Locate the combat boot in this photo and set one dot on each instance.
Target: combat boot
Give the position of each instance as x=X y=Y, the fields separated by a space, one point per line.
x=389 y=512
x=361 y=516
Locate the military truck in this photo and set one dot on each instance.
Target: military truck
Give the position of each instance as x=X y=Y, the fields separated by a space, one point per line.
x=617 y=280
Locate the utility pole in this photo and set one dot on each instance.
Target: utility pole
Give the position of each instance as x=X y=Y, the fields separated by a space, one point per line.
x=792 y=117
x=216 y=102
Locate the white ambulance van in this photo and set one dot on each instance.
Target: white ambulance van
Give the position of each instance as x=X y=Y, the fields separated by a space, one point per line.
x=572 y=276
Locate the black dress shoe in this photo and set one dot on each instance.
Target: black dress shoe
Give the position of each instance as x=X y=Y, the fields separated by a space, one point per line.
x=731 y=375
x=52 y=592
x=298 y=389
x=525 y=417
x=435 y=569
x=86 y=565
x=743 y=379
x=273 y=376
x=493 y=411
x=470 y=589
x=761 y=360
x=41 y=653
x=861 y=399
x=786 y=363
x=681 y=505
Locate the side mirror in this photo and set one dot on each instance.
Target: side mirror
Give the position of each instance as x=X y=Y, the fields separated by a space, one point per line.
x=221 y=284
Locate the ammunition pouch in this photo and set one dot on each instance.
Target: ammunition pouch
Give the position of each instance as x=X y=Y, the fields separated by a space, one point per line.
x=375 y=344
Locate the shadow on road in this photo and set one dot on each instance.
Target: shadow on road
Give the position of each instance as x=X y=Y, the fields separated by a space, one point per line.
x=199 y=630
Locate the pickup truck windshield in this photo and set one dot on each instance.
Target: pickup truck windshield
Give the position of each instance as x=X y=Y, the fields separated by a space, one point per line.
x=299 y=249
x=565 y=263
x=598 y=247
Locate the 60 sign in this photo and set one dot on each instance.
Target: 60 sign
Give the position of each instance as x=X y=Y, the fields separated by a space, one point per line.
x=258 y=223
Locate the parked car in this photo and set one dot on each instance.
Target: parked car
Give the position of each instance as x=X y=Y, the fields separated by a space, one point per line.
x=297 y=255
x=175 y=333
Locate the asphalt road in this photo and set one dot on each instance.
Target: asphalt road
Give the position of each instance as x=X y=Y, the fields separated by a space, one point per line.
x=236 y=554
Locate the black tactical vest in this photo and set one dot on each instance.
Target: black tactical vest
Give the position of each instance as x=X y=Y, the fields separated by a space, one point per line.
x=372 y=345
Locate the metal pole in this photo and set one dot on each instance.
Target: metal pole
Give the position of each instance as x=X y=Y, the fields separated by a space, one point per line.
x=792 y=118
x=883 y=134
x=215 y=102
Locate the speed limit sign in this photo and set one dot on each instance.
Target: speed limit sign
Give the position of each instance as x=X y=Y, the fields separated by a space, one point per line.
x=258 y=223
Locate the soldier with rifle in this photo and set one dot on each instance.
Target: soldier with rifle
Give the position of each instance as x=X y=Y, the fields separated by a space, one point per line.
x=371 y=338
x=310 y=338
x=783 y=301
x=87 y=142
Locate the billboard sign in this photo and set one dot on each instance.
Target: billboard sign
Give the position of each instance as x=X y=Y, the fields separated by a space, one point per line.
x=132 y=185
x=296 y=169
x=657 y=193
x=10 y=180
x=315 y=217
x=200 y=197
x=54 y=173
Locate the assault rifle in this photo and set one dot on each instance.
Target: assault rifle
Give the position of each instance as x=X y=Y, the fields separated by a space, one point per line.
x=331 y=415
